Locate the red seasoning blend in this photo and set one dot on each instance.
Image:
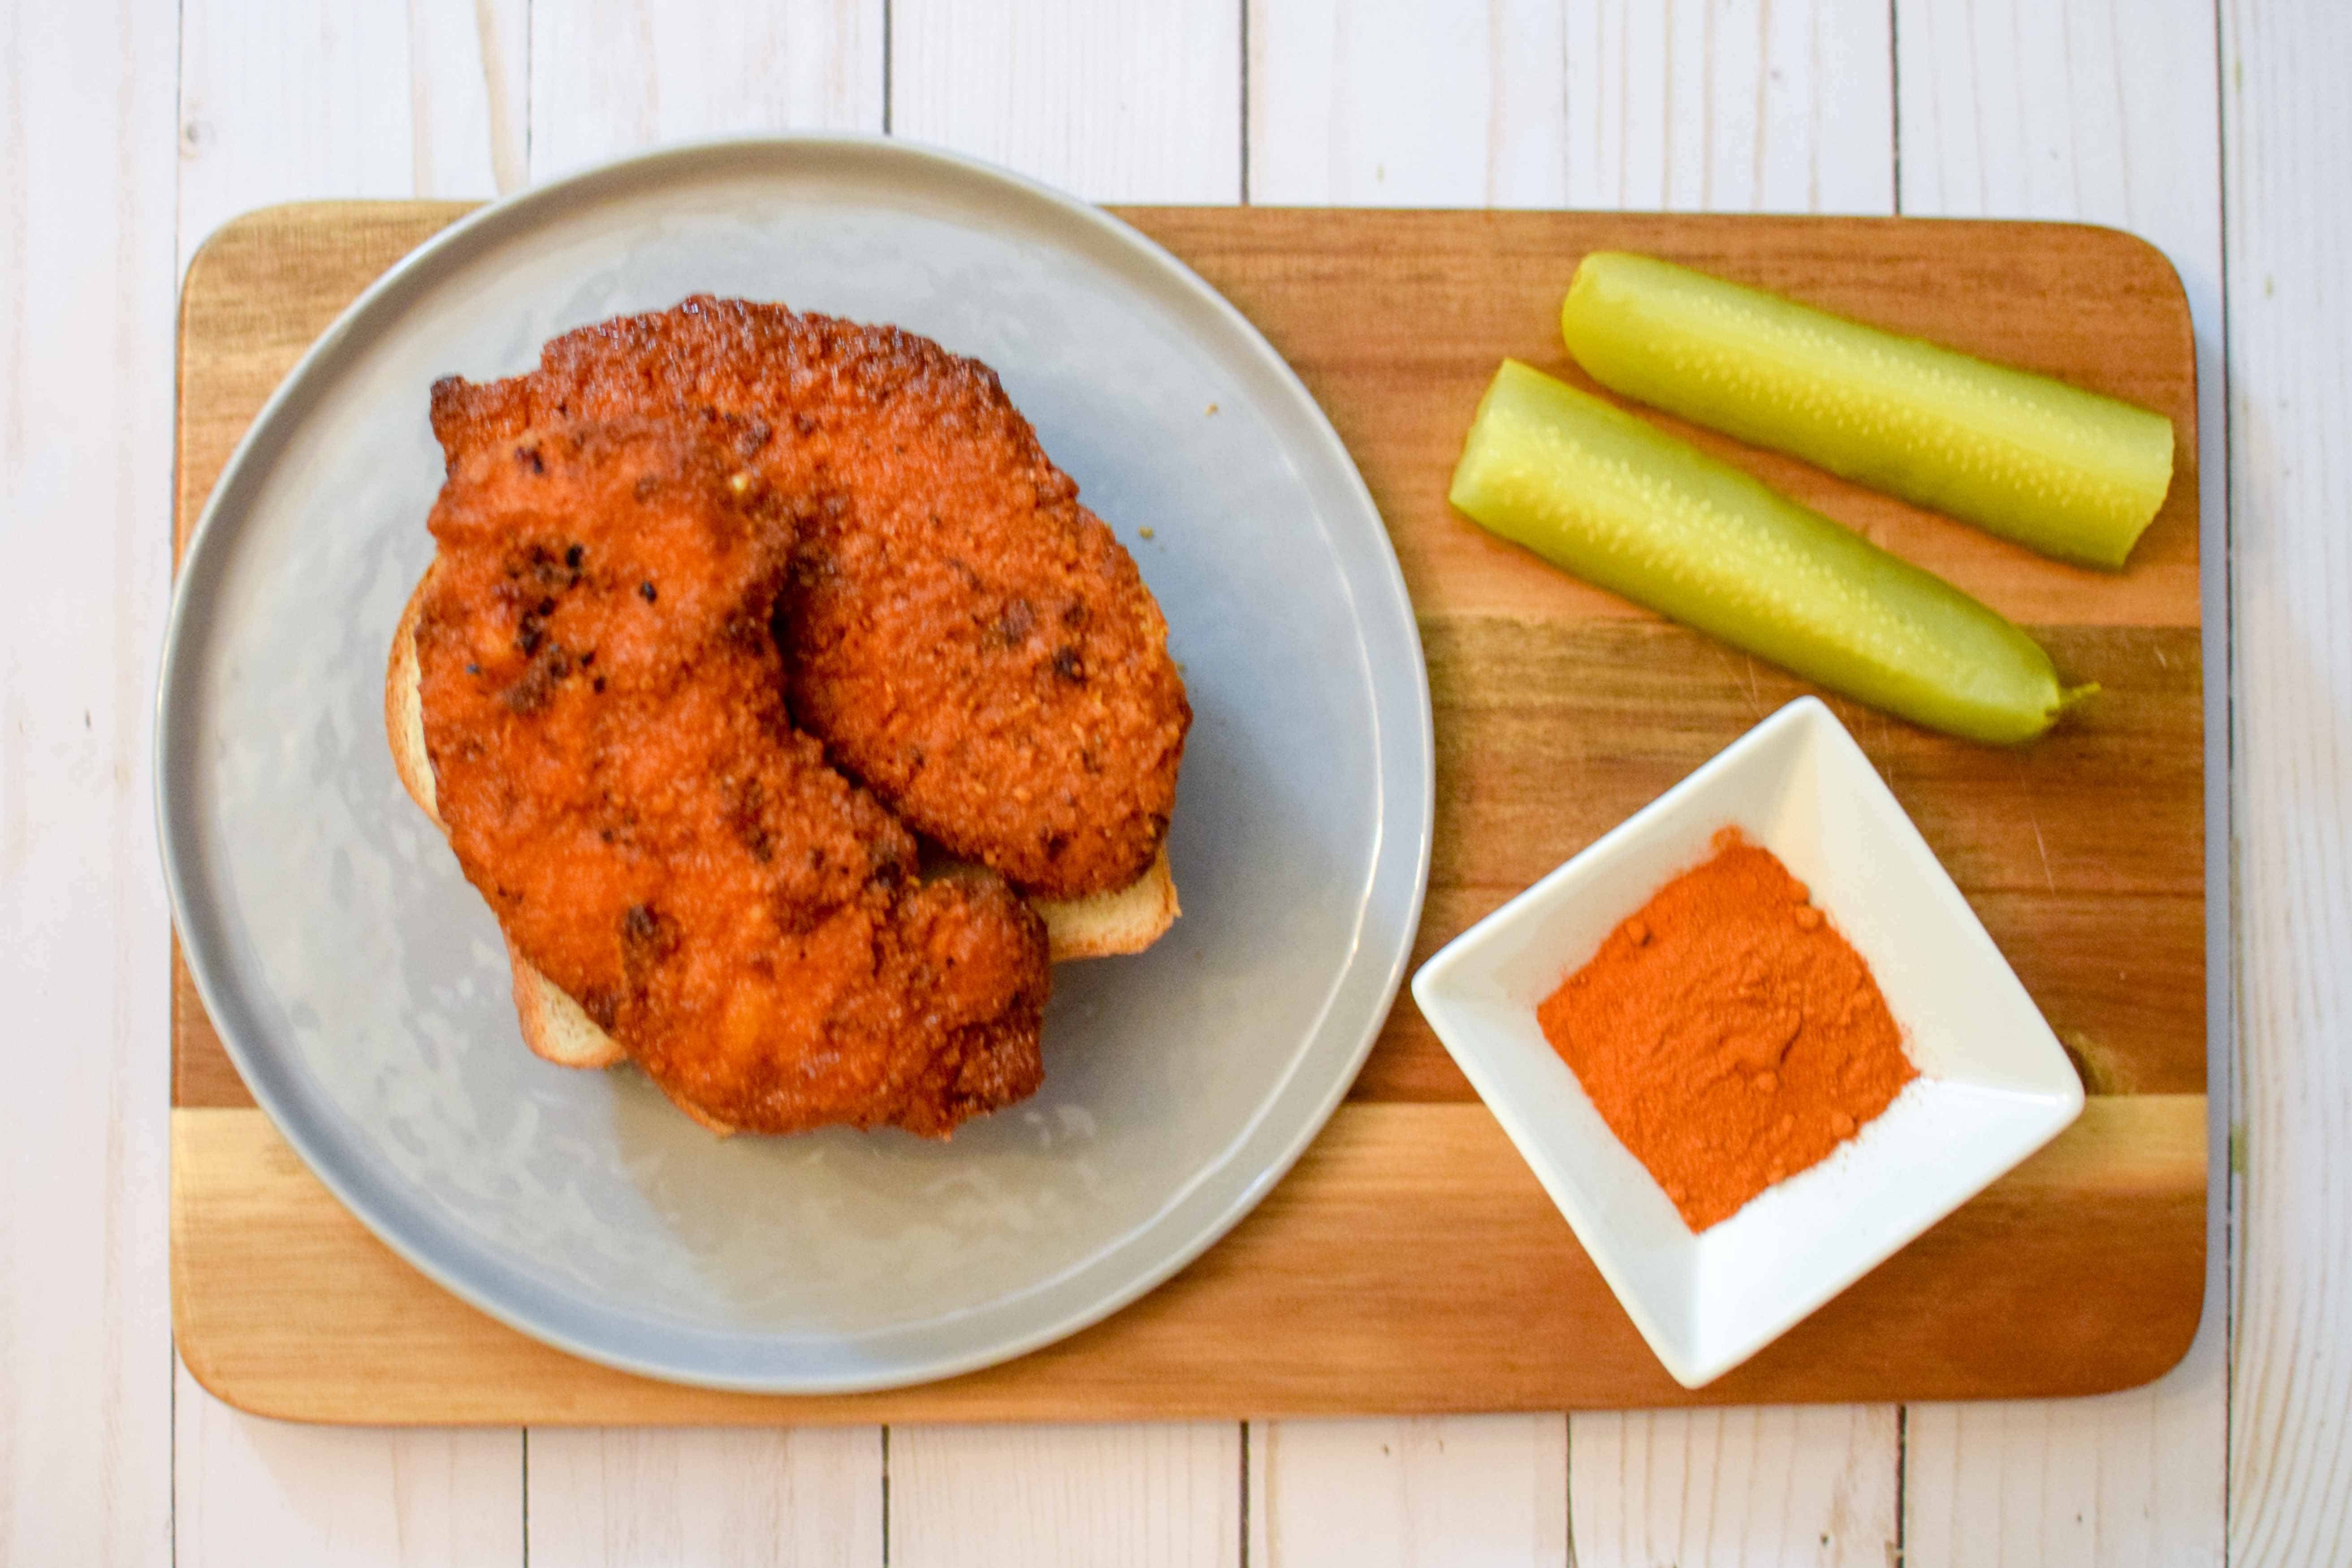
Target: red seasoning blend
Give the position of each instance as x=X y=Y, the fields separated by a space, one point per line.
x=1728 y=1035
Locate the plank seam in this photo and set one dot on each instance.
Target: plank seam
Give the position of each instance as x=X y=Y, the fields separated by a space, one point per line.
x=1246 y=181
x=1245 y=1427
x=1894 y=129
x=1568 y=1486
x=1902 y=1481
x=2232 y=979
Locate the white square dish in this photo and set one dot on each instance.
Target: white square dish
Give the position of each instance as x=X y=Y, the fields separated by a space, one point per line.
x=1994 y=1084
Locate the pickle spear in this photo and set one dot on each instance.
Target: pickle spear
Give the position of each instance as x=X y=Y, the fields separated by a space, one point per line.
x=2064 y=471
x=1592 y=488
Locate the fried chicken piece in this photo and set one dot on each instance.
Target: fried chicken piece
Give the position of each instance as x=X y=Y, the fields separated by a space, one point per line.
x=967 y=639
x=603 y=709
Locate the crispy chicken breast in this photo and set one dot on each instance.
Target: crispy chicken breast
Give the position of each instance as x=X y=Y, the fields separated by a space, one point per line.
x=604 y=709
x=967 y=640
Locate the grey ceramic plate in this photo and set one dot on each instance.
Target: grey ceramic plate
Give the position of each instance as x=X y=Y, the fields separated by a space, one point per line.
x=359 y=982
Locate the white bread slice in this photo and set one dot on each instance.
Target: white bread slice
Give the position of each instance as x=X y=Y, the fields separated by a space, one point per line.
x=1105 y=925
x=555 y=1026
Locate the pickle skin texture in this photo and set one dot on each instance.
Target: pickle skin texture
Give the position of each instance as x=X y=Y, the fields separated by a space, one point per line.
x=2062 y=471
x=1622 y=504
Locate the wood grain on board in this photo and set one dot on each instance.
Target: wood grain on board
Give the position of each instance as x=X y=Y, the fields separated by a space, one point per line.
x=2066 y=1277
x=1559 y=709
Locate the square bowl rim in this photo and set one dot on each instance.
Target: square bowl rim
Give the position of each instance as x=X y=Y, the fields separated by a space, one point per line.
x=2043 y=1111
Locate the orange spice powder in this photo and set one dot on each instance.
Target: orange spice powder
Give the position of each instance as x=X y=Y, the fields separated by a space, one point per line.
x=1728 y=1035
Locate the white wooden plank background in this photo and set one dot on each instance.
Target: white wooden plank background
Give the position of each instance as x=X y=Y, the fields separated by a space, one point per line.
x=87 y=279
x=128 y=132
x=1156 y=1496
x=2284 y=109
x=728 y=1498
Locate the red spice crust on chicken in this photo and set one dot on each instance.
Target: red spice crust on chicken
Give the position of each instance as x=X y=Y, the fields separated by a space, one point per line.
x=967 y=640
x=603 y=708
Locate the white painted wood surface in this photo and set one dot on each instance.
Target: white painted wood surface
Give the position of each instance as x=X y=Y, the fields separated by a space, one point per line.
x=252 y=1491
x=87 y=279
x=1807 y=1484
x=727 y=1499
x=1114 y=103
x=611 y=77
x=2285 y=113
x=1724 y=107
x=1394 y=103
x=1156 y=1496
x=1390 y=1493
x=129 y=132
x=284 y=99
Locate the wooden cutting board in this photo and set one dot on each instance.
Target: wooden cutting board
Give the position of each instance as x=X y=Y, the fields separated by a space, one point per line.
x=1410 y=1262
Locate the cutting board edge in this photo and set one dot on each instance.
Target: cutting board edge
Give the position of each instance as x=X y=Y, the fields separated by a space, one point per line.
x=244 y=1392
x=590 y=1394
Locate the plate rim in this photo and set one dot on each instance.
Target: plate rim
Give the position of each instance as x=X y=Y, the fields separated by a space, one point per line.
x=180 y=852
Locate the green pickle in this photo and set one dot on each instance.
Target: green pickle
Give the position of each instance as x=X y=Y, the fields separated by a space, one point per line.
x=2065 y=471
x=1620 y=502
